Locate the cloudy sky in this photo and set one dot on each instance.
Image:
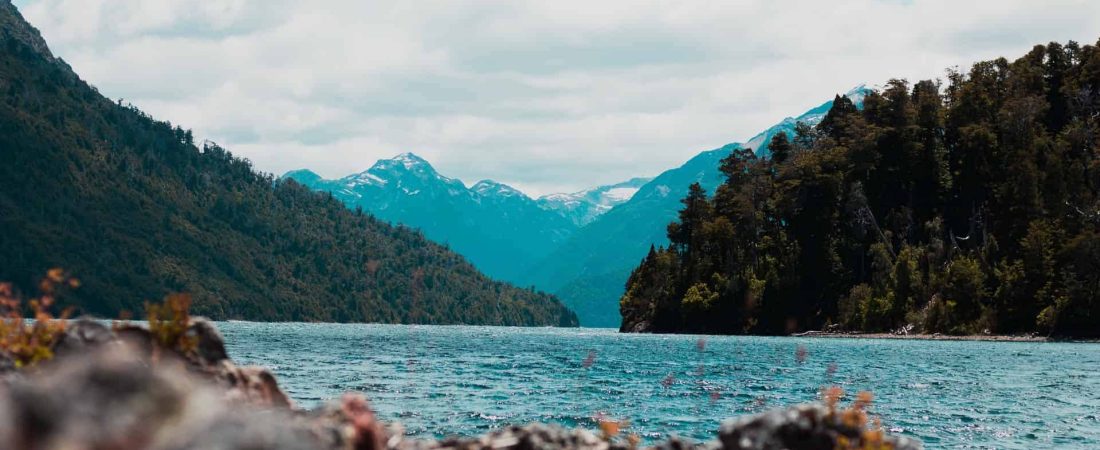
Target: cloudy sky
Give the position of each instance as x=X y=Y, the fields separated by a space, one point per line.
x=547 y=96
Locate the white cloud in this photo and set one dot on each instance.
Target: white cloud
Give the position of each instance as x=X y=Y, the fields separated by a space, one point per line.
x=547 y=96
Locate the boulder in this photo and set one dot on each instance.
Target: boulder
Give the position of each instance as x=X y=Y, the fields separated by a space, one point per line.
x=81 y=335
x=802 y=427
x=210 y=347
x=112 y=398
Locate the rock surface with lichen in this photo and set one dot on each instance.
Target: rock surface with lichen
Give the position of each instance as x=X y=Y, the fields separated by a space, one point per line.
x=115 y=387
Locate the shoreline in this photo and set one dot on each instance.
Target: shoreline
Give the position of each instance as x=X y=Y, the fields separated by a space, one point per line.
x=941 y=337
x=810 y=334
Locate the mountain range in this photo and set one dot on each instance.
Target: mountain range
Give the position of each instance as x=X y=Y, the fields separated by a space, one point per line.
x=581 y=246
x=500 y=229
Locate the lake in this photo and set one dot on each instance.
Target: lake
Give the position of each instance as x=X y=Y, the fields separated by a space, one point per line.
x=460 y=380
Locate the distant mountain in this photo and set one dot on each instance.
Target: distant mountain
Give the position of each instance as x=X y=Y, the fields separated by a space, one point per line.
x=500 y=229
x=583 y=207
x=589 y=271
x=136 y=210
x=759 y=143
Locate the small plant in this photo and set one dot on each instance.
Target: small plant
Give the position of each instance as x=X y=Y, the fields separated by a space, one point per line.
x=168 y=323
x=28 y=343
x=855 y=416
x=611 y=428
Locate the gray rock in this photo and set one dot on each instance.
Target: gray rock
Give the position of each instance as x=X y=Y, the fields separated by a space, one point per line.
x=530 y=437
x=803 y=427
x=211 y=346
x=7 y=365
x=250 y=384
x=111 y=398
x=82 y=335
x=102 y=399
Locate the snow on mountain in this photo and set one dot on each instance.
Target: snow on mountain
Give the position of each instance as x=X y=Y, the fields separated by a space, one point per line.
x=494 y=225
x=490 y=188
x=759 y=143
x=583 y=207
x=620 y=194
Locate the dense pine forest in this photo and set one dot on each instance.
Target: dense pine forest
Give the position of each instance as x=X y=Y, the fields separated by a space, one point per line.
x=965 y=206
x=135 y=209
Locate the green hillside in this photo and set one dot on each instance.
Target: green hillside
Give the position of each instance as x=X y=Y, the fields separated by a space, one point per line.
x=136 y=210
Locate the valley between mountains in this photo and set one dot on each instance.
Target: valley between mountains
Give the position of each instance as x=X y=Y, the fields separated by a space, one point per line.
x=580 y=246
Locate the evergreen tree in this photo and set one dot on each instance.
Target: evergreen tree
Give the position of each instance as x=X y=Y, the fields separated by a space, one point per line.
x=780 y=148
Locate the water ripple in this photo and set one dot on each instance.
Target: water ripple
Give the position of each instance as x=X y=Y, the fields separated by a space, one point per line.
x=442 y=381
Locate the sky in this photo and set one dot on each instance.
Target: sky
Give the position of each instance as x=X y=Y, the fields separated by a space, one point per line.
x=547 y=96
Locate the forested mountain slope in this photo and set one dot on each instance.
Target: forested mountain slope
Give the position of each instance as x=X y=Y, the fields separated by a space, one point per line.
x=132 y=207
x=963 y=208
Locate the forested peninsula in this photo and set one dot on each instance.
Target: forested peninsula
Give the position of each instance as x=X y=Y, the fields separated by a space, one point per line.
x=963 y=206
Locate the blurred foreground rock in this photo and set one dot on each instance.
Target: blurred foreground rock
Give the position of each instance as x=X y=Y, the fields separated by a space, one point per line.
x=115 y=389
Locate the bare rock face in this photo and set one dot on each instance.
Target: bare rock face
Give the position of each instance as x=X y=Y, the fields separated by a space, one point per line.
x=11 y=22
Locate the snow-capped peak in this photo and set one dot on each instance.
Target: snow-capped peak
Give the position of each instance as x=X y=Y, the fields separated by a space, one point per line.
x=857 y=93
x=407 y=160
x=584 y=206
x=759 y=143
x=493 y=188
x=405 y=172
x=559 y=197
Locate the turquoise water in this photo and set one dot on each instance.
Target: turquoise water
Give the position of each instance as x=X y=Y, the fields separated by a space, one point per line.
x=466 y=380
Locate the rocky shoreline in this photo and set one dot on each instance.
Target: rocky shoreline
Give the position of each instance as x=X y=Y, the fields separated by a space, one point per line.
x=937 y=337
x=115 y=387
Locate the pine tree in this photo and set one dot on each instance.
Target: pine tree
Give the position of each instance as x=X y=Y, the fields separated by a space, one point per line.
x=780 y=148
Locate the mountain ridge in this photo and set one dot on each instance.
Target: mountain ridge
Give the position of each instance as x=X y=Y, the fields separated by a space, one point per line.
x=135 y=209
x=584 y=206
x=494 y=225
